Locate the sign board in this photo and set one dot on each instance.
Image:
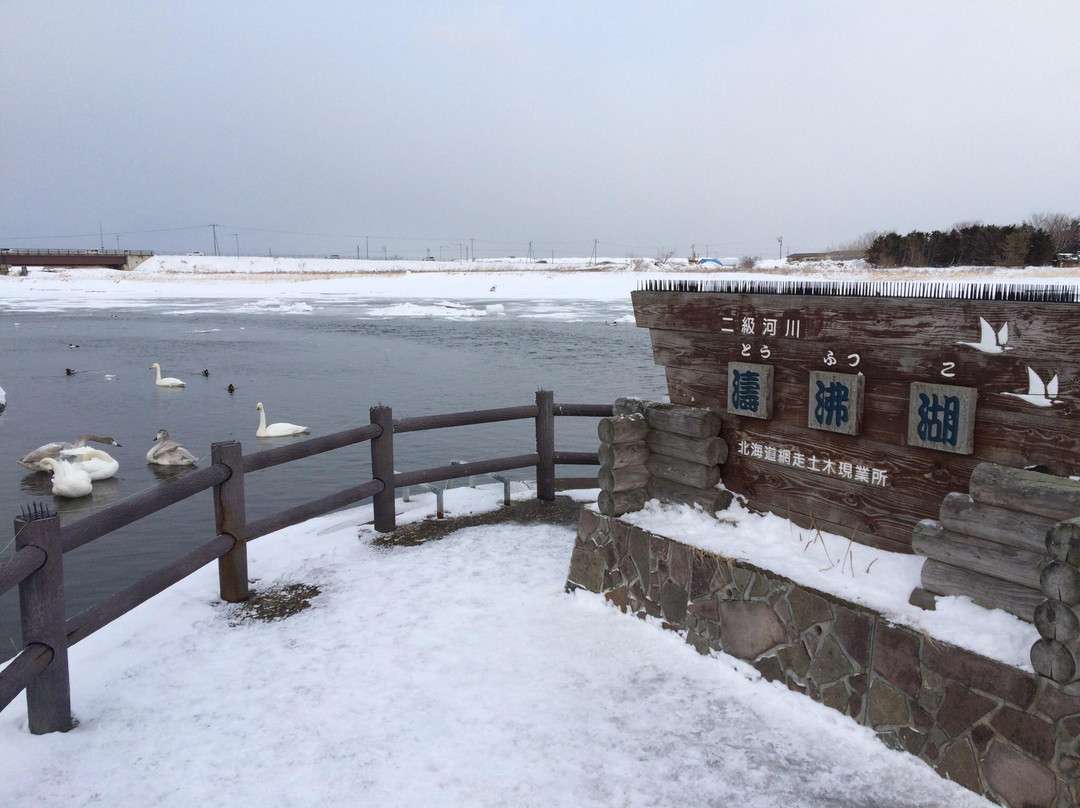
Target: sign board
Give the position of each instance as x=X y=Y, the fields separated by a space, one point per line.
x=884 y=396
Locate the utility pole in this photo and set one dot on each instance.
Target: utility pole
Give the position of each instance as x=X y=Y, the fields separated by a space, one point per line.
x=357 y=252
x=214 y=228
x=237 y=237
x=472 y=249
x=459 y=248
x=595 y=242
x=384 y=252
x=367 y=253
x=101 y=235
x=781 y=240
x=529 y=257
x=118 y=242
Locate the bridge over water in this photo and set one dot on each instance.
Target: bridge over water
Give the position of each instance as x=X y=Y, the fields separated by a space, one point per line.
x=116 y=259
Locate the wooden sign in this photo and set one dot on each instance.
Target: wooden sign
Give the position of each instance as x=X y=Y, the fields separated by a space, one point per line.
x=949 y=375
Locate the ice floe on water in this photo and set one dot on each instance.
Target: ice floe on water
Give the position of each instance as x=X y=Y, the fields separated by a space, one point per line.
x=442 y=309
x=295 y=307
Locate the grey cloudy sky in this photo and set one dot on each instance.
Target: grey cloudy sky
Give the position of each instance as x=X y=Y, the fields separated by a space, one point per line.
x=425 y=124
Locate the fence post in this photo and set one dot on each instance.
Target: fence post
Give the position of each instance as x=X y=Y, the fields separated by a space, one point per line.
x=382 y=468
x=545 y=445
x=230 y=516
x=41 y=608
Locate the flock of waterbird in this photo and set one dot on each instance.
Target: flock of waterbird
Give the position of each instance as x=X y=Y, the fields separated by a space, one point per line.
x=75 y=466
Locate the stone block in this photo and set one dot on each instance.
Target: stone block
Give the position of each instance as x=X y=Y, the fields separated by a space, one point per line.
x=679 y=563
x=830 y=663
x=1031 y=734
x=1007 y=683
x=759 y=587
x=619 y=597
x=673 y=602
x=795 y=659
x=588 y=522
x=770 y=669
x=586 y=569
x=807 y=608
x=960 y=708
x=707 y=609
x=749 y=629
x=913 y=740
x=896 y=658
x=1017 y=779
x=639 y=553
x=702 y=568
x=853 y=631
x=886 y=707
x=959 y=764
x=1055 y=704
x=836 y=697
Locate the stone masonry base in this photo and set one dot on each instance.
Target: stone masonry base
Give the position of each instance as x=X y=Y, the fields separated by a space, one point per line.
x=999 y=731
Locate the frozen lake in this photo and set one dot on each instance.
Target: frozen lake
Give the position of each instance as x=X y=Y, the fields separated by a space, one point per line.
x=321 y=362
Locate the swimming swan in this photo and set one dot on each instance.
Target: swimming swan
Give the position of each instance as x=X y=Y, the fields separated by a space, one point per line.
x=278 y=430
x=169 y=452
x=98 y=464
x=67 y=480
x=166 y=382
x=33 y=460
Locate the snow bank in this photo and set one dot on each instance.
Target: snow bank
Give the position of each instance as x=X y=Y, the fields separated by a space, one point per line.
x=881 y=580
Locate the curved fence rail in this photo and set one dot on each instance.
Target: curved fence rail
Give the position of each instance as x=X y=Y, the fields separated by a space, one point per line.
x=41 y=668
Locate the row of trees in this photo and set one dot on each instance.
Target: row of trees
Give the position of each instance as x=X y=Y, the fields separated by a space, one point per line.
x=1036 y=242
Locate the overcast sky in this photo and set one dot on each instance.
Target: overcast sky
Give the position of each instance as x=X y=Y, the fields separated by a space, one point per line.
x=422 y=125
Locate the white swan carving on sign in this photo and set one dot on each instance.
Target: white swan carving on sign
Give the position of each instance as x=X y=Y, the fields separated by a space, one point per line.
x=990 y=341
x=1040 y=393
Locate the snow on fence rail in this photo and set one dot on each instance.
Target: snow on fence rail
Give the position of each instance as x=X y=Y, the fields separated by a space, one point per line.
x=41 y=668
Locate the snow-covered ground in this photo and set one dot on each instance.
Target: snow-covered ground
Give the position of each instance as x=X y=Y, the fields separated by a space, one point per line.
x=176 y=277
x=455 y=673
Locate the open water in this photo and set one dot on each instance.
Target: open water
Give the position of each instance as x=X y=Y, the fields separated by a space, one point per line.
x=321 y=363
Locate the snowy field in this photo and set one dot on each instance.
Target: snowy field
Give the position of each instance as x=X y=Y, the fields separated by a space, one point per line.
x=448 y=674
x=289 y=279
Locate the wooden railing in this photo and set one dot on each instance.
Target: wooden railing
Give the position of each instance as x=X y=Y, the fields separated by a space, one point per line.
x=41 y=668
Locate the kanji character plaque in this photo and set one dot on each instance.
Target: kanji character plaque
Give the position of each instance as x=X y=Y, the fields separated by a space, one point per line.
x=750 y=390
x=836 y=402
x=942 y=417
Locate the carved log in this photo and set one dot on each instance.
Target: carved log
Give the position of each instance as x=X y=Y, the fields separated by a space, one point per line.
x=624 y=479
x=710 y=500
x=1057 y=621
x=683 y=471
x=616 y=503
x=693 y=422
x=626 y=405
x=619 y=455
x=1054 y=660
x=1027 y=491
x=1022 y=567
x=1063 y=542
x=994 y=593
x=962 y=514
x=1061 y=581
x=622 y=429
x=707 y=451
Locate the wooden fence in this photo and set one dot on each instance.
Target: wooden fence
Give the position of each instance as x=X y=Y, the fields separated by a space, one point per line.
x=41 y=668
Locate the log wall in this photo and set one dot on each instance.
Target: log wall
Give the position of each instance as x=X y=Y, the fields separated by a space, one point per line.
x=993 y=545
x=660 y=451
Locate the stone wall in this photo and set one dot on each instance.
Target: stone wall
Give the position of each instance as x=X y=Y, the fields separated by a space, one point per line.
x=999 y=731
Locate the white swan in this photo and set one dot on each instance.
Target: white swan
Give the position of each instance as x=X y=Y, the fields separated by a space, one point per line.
x=168 y=381
x=169 y=452
x=98 y=464
x=278 y=430
x=67 y=480
x=33 y=460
